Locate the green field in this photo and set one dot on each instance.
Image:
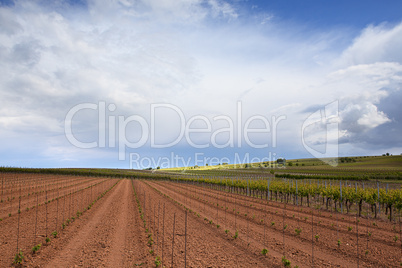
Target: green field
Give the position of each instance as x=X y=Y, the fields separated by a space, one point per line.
x=364 y=167
x=374 y=168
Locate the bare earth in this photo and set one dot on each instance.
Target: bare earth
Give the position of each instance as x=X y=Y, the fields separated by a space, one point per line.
x=112 y=233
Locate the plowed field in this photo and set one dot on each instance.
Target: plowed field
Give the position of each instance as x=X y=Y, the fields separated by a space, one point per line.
x=149 y=223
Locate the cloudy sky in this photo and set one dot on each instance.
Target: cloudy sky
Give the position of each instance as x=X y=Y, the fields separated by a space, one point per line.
x=131 y=83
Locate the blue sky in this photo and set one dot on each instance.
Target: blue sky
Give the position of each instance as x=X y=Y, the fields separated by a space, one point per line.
x=89 y=83
x=356 y=14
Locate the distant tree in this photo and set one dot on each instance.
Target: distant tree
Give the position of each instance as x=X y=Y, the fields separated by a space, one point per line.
x=387 y=154
x=158 y=167
x=347 y=159
x=290 y=164
x=281 y=161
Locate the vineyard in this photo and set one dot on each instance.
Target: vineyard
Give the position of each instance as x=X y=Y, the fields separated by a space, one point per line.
x=35 y=209
x=208 y=219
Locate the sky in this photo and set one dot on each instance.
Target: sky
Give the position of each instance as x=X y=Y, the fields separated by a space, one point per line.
x=137 y=84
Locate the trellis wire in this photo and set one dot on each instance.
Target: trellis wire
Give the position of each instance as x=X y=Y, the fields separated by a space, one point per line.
x=283 y=230
x=312 y=234
x=247 y=222
x=36 y=217
x=157 y=234
x=163 y=231
x=185 y=241
x=174 y=223
x=217 y=208
x=46 y=211
x=19 y=213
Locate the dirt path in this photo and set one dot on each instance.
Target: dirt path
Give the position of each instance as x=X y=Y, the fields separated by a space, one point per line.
x=107 y=236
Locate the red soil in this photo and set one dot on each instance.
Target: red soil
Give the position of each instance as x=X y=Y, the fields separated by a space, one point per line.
x=112 y=233
x=47 y=217
x=33 y=188
x=383 y=251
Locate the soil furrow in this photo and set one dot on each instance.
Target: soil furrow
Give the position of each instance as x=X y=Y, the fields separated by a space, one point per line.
x=322 y=248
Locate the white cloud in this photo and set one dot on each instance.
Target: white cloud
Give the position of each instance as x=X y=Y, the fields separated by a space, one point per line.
x=221 y=7
x=9 y=25
x=372 y=118
x=201 y=56
x=380 y=43
x=360 y=116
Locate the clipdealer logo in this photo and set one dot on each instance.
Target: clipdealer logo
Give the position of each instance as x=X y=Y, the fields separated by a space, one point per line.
x=108 y=122
x=112 y=128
